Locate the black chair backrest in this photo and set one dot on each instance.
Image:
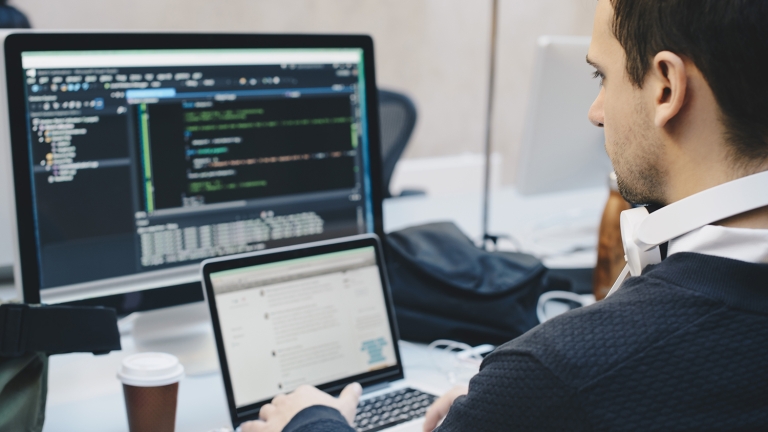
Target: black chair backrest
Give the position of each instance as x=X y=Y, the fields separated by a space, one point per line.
x=397 y=115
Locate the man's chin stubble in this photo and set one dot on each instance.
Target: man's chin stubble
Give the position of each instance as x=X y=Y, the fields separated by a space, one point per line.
x=644 y=187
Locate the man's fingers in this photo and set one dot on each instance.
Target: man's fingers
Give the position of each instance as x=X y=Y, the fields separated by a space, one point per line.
x=266 y=411
x=253 y=426
x=304 y=389
x=435 y=413
x=277 y=400
x=351 y=394
x=348 y=399
x=439 y=409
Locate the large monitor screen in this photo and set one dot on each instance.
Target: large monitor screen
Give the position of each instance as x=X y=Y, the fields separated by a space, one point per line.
x=145 y=162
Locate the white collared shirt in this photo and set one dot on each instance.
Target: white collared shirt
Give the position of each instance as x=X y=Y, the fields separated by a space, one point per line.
x=743 y=244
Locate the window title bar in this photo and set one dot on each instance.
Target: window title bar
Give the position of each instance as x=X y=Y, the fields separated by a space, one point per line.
x=201 y=57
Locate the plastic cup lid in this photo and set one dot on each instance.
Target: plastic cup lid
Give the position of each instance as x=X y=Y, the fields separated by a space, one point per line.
x=150 y=369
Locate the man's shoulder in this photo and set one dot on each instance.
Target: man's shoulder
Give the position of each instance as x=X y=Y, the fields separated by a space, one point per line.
x=581 y=345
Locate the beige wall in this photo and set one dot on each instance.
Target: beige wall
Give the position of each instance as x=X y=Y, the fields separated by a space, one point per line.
x=437 y=51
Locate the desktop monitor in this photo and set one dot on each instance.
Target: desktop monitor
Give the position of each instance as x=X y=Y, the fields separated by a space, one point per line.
x=136 y=156
x=561 y=150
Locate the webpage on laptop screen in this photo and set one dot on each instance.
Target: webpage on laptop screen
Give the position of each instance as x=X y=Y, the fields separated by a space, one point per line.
x=309 y=320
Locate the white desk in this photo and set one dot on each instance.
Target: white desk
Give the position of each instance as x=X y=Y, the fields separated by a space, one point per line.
x=85 y=395
x=545 y=224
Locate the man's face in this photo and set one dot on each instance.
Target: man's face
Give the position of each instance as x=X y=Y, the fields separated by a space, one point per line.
x=626 y=113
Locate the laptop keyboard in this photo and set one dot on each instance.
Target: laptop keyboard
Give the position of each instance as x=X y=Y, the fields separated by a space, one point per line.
x=392 y=408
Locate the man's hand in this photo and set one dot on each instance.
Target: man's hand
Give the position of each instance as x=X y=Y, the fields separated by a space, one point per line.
x=274 y=416
x=440 y=408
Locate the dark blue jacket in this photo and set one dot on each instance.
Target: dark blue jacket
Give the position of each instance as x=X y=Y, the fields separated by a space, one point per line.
x=683 y=347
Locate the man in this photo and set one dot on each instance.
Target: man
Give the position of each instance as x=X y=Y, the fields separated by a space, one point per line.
x=684 y=104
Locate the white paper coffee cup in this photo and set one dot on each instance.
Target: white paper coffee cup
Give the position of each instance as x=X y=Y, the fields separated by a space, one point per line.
x=150 y=369
x=151 y=389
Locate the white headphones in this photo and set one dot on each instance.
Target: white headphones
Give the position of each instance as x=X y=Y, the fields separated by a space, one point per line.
x=642 y=233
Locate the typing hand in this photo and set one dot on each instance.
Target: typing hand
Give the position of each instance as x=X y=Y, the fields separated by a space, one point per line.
x=438 y=410
x=274 y=416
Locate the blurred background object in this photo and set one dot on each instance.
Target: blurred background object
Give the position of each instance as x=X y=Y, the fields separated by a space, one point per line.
x=398 y=118
x=561 y=150
x=12 y=18
x=610 y=249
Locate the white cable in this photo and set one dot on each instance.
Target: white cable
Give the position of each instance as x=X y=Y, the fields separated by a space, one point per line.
x=619 y=281
x=581 y=299
x=449 y=345
x=463 y=368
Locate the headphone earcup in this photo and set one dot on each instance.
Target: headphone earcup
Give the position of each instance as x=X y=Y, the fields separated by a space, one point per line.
x=636 y=255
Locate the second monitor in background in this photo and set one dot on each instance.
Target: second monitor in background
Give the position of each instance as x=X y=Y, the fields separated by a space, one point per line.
x=561 y=149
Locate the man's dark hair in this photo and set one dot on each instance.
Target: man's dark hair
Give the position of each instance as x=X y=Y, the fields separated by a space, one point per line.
x=726 y=39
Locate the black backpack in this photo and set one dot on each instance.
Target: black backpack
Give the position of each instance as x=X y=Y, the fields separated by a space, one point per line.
x=444 y=287
x=28 y=335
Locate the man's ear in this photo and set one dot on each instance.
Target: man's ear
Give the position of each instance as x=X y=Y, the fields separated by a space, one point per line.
x=668 y=81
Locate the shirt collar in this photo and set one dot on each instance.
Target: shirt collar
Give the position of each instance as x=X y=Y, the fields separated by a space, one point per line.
x=742 y=244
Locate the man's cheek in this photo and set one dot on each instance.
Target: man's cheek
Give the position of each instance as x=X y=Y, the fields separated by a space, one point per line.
x=610 y=130
x=610 y=150
x=610 y=141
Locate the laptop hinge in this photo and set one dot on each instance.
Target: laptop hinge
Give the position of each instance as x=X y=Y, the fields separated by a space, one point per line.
x=376 y=387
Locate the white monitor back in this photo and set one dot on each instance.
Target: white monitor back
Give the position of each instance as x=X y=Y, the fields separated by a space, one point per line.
x=7 y=204
x=561 y=149
x=6 y=240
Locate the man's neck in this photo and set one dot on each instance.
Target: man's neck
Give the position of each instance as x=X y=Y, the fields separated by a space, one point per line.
x=755 y=219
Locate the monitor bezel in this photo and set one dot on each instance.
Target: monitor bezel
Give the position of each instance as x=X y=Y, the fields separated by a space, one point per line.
x=15 y=44
x=389 y=374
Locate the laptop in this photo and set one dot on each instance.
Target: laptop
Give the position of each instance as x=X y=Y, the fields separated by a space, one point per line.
x=318 y=314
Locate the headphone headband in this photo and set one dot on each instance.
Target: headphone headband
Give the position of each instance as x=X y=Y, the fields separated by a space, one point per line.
x=703 y=208
x=642 y=233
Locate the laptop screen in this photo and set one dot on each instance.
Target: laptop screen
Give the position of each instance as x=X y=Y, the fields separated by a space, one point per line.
x=310 y=320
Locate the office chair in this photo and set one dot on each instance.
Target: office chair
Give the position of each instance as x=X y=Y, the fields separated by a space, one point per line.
x=397 y=115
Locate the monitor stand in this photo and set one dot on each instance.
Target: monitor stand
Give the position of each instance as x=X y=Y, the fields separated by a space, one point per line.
x=184 y=331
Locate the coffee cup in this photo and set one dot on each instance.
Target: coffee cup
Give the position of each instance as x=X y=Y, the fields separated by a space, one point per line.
x=150 y=387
